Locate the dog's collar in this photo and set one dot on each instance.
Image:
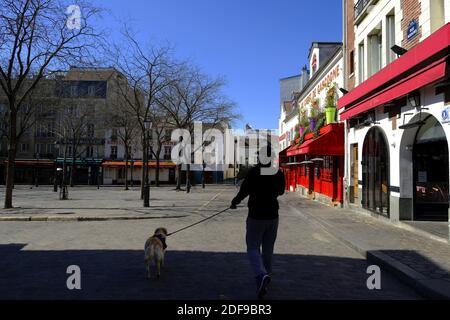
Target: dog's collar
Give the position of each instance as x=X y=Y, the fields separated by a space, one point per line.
x=162 y=239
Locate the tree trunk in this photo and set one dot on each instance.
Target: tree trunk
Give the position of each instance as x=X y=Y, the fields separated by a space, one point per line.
x=64 y=176
x=10 y=168
x=126 y=169
x=157 y=172
x=73 y=165
x=144 y=169
x=158 y=164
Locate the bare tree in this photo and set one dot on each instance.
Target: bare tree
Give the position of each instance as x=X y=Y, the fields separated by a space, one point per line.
x=123 y=120
x=196 y=97
x=148 y=70
x=73 y=132
x=35 y=37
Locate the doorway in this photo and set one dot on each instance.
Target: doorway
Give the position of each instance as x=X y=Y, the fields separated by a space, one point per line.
x=375 y=172
x=431 y=172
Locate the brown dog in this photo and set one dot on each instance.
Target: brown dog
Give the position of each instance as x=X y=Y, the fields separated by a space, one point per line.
x=155 y=248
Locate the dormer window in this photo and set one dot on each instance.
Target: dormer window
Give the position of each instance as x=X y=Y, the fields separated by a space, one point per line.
x=314 y=64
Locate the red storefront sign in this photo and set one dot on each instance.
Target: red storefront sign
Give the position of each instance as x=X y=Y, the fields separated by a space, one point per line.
x=330 y=142
x=324 y=174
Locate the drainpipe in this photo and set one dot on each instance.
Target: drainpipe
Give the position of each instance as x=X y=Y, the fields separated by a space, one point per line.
x=346 y=154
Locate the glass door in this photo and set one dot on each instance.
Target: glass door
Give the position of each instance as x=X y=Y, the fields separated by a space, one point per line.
x=375 y=167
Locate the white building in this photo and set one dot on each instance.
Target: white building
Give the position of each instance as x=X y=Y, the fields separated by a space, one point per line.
x=325 y=68
x=397 y=109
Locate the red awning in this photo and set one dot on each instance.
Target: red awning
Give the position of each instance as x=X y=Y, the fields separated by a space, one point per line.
x=423 y=65
x=329 y=143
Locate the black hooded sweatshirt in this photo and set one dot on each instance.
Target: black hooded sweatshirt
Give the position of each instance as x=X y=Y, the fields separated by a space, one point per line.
x=263 y=191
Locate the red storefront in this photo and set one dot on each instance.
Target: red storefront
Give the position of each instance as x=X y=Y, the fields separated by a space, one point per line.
x=316 y=167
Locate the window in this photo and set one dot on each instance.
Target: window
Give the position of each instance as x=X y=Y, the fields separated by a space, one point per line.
x=50 y=129
x=390 y=38
x=167 y=152
x=113 y=154
x=437 y=12
x=50 y=148
x=168 y=135
x=90 y=130
x=73 y=91
x=40 y=148
x=328 y=168
x=352 y=62
x=41 y=130
x=91 y=91
x=114 y=134
x=375 y=53
x=24 y=147
x=361 y=61
x=90 y=152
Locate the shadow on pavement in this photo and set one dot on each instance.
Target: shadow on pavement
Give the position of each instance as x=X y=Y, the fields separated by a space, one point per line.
x=120 y=274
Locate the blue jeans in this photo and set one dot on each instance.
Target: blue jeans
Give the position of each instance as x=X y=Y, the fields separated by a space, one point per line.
x=261 y=233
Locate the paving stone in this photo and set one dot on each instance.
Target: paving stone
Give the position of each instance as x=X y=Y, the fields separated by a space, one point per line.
x=207 y=261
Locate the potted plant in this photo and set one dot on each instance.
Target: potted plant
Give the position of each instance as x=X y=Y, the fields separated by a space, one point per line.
x=303 y=121
x=297 y=132
x=314 y=113
x=330 y=104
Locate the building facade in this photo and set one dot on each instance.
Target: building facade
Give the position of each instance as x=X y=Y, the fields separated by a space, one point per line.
x=312 y=143
x=396 y=112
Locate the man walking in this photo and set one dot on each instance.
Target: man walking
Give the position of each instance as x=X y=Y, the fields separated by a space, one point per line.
x=262 y=221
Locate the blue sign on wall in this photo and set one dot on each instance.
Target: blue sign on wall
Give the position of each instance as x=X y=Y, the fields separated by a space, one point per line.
x=412 y=29
x=445 y=115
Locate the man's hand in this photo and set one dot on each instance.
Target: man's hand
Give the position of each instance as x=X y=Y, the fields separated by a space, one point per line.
x=233 y=204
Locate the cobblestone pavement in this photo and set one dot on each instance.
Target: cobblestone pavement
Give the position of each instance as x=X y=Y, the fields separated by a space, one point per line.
x=428 y=257
x=204 y=262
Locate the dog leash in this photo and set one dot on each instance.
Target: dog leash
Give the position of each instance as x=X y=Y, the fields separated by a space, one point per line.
x=191 y=225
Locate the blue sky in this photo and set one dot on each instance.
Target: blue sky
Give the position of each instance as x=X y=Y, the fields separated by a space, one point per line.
x=253 y=43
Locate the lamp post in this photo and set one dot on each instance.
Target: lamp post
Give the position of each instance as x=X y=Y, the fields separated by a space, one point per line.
x=55 y=178
x=234 y=164
x=132 y=168
x=148 y=127
x=99 y=176
x=37 y=170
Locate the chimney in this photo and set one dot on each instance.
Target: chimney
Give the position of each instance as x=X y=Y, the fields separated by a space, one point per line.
x=304 y=76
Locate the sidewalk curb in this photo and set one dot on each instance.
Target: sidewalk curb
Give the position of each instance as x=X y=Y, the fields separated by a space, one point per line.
x=427 y=287
x=83 y=218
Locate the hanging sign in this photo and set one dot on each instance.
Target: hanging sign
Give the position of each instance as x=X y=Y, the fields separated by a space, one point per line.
x=412 y=29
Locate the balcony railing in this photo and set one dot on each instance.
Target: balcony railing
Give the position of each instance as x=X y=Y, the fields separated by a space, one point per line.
x=361 y=8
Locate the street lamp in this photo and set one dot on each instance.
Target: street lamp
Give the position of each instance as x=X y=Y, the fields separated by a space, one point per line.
x=55 y=179
x=132 y=168
x=234 y=165
x=148 y=126
x=399 y=51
